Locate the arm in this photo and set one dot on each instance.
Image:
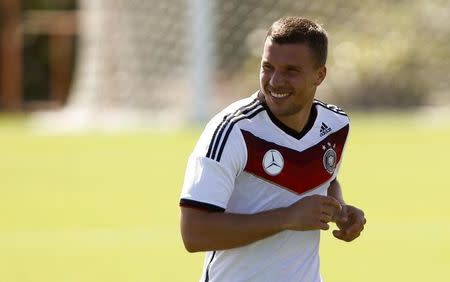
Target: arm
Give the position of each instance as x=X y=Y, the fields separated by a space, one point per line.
x=335 y=191
x=203 y=230
x=351 y=220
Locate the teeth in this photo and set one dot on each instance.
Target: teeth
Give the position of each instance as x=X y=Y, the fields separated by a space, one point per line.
x=279 y=95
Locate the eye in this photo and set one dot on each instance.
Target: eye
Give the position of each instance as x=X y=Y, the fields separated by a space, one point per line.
x=267 y=67
x=293 y=70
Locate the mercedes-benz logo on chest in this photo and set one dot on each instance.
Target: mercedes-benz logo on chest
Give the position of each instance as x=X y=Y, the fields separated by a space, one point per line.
x=273 y=162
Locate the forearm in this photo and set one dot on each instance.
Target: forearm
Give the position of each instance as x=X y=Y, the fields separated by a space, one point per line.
x=206 y=231
x=335 y=191
x=203 y=231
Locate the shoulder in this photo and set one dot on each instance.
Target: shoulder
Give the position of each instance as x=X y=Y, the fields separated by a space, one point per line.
x=332 y=112
x=222 y=130
x=242 y=109
x=330 y=107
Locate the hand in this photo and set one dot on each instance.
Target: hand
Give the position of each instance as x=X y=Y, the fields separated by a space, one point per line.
x=350 y=222
x=312 y=213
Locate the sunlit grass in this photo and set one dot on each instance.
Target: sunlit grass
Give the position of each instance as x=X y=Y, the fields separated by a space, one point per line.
x=104 y=207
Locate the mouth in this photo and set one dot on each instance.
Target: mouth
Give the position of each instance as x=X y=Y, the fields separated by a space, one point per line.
x=279 y=95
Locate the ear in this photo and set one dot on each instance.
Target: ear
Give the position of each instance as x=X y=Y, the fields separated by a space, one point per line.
x=321 y=73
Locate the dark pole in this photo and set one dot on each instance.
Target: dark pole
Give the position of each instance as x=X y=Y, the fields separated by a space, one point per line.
x=10 y=55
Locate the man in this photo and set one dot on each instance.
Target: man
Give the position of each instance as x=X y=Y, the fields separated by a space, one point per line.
x=262 y=180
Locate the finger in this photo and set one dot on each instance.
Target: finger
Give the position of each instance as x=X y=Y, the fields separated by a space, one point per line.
x=324 y=226
x=357 y=220
x=341 y=218
x=338 y=234
x=334 y=214
x=332 y=208
x=355 y=212
x=342 y=235
x=351 y=232
x=351 y=237
x=355 y=228
x=325 y=218
x=329 y=210
x=331 y=201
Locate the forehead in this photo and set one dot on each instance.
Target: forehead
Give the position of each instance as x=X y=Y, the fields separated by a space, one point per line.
x=288 y=54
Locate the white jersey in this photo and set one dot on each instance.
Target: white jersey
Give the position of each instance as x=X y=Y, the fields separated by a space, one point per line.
x=246 y=161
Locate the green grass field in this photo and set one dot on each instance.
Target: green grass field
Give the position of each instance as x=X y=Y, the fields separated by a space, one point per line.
x=104 y=207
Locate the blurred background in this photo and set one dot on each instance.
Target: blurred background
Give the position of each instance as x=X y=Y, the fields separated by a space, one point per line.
x=191 y=57
x=102 y=101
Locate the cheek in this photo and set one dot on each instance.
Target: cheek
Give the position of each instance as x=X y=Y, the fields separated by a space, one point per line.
x=264 y=77
x=300 y=82
x=296 y=83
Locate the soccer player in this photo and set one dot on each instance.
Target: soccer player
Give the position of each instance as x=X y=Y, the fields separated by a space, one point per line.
x=262 y=180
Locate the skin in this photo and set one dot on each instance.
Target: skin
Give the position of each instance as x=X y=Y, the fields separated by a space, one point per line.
x=291 y=69
x=204 y=231
x=350 y=221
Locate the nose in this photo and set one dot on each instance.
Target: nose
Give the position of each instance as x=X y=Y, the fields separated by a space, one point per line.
x=276 y=79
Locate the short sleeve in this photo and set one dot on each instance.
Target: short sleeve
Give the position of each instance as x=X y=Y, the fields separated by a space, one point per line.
x=218 y=158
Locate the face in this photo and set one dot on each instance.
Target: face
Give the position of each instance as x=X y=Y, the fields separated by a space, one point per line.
x=289 y=77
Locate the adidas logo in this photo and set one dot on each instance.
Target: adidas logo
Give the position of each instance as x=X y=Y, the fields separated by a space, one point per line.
x=324 y=129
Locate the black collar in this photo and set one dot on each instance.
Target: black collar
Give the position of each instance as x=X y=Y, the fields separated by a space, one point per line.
x=285 y=128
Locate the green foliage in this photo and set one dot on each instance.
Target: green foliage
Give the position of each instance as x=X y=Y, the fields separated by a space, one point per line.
x=104 y=207
x=382 y=54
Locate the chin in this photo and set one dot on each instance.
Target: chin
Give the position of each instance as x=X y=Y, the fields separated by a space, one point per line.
x=279 y=110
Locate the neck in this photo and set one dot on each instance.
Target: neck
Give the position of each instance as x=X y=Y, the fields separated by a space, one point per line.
x=298 y=120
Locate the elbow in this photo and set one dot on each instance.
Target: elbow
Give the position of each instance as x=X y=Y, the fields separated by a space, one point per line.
x=192 y=231
x=190 y=244
x=190 y=237
x=191 y=248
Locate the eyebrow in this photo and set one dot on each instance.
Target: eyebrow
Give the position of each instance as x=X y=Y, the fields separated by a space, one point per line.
x=294 y=67
x=265 y=62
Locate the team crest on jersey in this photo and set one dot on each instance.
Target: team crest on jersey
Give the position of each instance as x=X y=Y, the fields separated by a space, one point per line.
x=329 y=157
x=273 y=162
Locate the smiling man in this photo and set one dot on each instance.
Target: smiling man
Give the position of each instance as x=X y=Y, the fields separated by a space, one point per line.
x=261 y=182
